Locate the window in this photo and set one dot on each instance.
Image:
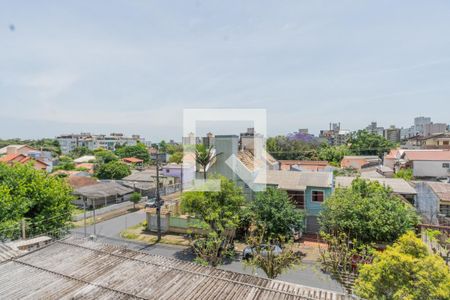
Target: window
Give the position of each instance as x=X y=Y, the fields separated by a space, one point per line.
x=446 y=165
x=317 y=196
x=298 y=198
x=445 y=143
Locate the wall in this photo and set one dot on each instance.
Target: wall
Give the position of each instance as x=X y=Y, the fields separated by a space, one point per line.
x=427 y=203
x=312 y=208
x=430 y=169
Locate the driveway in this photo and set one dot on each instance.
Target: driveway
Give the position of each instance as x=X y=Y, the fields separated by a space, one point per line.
x=109 y=232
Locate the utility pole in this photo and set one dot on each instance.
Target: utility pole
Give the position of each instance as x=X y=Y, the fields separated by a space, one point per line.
x=84 y=206
x=158 y=201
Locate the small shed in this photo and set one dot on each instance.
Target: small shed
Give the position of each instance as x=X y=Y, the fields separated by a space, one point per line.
x=102 y=193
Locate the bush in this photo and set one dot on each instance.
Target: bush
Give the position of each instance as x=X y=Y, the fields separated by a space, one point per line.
x=407 y=270
x=368 y=212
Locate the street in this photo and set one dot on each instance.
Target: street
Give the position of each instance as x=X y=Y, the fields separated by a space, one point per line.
x=109 y=232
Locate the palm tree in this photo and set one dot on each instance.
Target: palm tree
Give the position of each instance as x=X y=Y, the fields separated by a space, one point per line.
x=204 y=156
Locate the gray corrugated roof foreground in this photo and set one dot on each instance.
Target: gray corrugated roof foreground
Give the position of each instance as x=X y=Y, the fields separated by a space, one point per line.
x=78 y=269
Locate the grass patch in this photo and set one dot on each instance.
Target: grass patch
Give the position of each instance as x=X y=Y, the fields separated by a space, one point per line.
x=139 y=233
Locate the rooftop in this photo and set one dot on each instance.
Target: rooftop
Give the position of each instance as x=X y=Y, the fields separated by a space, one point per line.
x=133 y=160
x=442 y=190
x=102 y=189
x=397 y=185
x=77 y=268
x=427 y=155
x=293 y=180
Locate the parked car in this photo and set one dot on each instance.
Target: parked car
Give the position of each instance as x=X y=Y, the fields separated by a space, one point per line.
x=249 y=251
x=152 y=203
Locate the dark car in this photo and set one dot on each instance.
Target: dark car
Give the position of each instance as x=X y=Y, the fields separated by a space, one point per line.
x=263 y=249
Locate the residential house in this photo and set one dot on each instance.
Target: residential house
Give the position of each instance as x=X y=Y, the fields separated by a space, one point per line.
x=437 y=141
x=241 y=159
x=23 y=159
x=433 y=201
x=16 y=149
x=133 y=161
x=42 y=156
x=102 y=194
x=305 y=165
x=185 y=172
x=426 y=163
x=399 y=186
x=307 y=190
x=145 y=181
x=392 y=134
x=359 y=162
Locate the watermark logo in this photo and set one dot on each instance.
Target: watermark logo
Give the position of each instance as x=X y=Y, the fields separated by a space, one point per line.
x=240 y=158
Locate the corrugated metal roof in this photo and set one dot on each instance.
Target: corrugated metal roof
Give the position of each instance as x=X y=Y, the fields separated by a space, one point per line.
x=102 y=189
x=76 y=268
x=442 y=190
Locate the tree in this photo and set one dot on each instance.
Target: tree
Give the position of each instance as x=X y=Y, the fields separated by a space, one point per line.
x=80 y=151
x=112 y=170
x=274 y=215
x=406 y=270
x=139 y=151
x=366 y=143
x=204 y=156
x=272 y=262
x=219 y=212
x=26 y=193
x=135 y=198
x=283 y=147
x=103 y=156
x=368 y=212
x=406 y=174
x=65 y=163
x=333 y=154
x=176 y=157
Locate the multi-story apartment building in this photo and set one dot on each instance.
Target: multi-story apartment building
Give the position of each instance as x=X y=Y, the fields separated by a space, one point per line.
x=375 y=129
x=69 y=142
x=392 y=134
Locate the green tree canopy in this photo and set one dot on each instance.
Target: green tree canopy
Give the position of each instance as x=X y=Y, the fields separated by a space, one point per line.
x=333 y=154
x=366 y=143
x=281 y=147
x=406 y=174
x=112 y=170
x=65 y=163
x=368 y=212
x=139 y=151
x=406 y=270
x=176 y=157
x=80 y=151
x=219 y=210
x=28 y=193
x=274 y=215
x=104 y=156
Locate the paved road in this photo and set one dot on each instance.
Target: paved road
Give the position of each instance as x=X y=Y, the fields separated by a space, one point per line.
x=109 y=232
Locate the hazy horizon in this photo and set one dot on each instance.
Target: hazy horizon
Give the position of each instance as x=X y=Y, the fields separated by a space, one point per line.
x=133 y=66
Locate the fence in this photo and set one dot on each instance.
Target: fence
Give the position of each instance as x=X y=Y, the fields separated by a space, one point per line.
x=174 y=224
x=54 y=227
x=438 y=242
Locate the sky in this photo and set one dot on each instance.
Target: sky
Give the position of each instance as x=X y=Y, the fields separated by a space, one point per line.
x=132 y=66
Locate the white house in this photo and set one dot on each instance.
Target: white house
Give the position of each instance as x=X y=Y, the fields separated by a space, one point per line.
x=427 y=163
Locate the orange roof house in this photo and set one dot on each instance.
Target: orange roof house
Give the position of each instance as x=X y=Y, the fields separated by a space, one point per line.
x=23 y=159
x=132 y=160
x=359 y=162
